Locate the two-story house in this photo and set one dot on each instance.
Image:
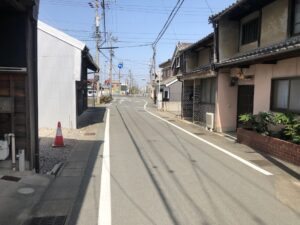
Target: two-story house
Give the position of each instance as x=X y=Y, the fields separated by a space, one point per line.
x=169 y=85
x=170 y=88
x=199 y=81
x=257 y=59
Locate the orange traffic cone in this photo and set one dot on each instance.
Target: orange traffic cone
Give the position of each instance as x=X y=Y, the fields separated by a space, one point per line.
x=59 y=139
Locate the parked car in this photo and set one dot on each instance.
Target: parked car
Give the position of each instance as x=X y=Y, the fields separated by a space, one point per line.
x=92 y=93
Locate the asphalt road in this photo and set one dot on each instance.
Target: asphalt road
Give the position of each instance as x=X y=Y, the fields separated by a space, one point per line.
x=161 y=175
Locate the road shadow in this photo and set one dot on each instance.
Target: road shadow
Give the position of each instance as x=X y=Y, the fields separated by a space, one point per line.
x=65 y=196
x=87 y=177
x=279 y=164
x=91 y=116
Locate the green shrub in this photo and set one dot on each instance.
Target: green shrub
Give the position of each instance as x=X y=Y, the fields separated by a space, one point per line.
x=263 y=119
x=261 y=122
x=105 y=99
x=292 y=131
x=248 y=121
x=282 y=118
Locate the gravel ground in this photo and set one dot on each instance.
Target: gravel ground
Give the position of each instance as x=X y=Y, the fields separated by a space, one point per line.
x=50 y=156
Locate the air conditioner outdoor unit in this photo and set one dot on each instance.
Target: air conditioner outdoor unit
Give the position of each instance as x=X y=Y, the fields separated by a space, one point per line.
x=210 y=121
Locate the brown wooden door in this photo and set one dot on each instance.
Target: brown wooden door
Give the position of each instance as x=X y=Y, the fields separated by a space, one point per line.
x=245 y=100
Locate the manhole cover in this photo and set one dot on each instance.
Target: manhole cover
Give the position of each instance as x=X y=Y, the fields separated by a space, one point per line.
x=26 y=191
x=11 y=178
x=49 y=220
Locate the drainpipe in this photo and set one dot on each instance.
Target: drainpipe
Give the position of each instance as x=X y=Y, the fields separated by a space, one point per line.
x=216 y=42
x=21 y=157
x=13 y=150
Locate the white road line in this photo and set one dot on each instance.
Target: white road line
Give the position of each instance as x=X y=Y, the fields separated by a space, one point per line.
x=265 y=172
x=104 y=213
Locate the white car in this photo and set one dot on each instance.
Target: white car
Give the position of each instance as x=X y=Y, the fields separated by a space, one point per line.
x=92 y=93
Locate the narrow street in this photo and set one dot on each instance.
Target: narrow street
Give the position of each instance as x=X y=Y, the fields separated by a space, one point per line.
x=161 y=175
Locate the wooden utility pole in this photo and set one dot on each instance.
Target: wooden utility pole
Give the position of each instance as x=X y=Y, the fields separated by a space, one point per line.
x=130 y=81
x=111 y=51
x=96 y=5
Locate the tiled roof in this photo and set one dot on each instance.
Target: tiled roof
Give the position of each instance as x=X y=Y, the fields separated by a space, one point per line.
x=224 y=11
x=168 y=80
x=239 y=8
x=207 y=37
x=181 y=46
x=199 y=69
x=286 y=46
x=165 y=63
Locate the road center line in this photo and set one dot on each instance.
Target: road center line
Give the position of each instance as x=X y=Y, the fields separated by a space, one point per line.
x=253 y=166
x=104 y=213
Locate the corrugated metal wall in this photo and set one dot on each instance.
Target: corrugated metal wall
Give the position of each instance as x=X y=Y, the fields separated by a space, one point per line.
x=175 y=92
x=187 y=101
x=59 y=67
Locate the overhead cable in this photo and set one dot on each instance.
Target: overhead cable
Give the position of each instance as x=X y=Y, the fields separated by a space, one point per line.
x=168 y=22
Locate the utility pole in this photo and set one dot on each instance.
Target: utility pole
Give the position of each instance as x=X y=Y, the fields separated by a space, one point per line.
x=130 y=81
x=111 y=51
x=154 y=65
x=158 y=94
x=96 y=5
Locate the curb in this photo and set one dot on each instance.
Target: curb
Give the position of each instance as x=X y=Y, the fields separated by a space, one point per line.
x=55 y=169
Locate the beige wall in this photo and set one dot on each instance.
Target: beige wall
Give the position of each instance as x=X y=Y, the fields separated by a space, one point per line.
x=196 y=59
x=274 y=27
x=204 y=57
x=226 y=104
x=262 y=88
x=172 y=107
x=263 y=77
x=274 y=22
x=191 y=61
x=228 y=38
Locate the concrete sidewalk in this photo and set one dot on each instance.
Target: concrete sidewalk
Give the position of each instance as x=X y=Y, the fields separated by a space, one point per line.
x=20 y=192
x=61 y=198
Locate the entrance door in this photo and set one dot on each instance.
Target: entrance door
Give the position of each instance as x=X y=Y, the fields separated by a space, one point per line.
x=245 y=100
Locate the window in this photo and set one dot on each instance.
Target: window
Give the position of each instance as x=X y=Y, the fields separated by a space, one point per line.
x=250 y=31
x=285 y=95
x=208 y=91
x=177 y=62
x=296 y=18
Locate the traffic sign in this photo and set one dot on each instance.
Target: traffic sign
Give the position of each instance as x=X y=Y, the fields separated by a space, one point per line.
x=120 y=65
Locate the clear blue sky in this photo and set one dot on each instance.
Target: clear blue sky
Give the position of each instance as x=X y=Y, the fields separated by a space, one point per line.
x=133 y=22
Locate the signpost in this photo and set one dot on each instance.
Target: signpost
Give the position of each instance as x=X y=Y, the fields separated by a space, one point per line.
x=120 y=66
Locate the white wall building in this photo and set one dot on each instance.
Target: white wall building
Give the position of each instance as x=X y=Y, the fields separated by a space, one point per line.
x=63 y=62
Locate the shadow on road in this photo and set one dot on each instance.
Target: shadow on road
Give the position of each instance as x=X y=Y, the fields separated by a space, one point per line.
x=91 y=116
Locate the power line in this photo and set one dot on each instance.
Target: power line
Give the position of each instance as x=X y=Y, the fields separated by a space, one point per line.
x=135 y=46
x=208 y=6
x=168 y=22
